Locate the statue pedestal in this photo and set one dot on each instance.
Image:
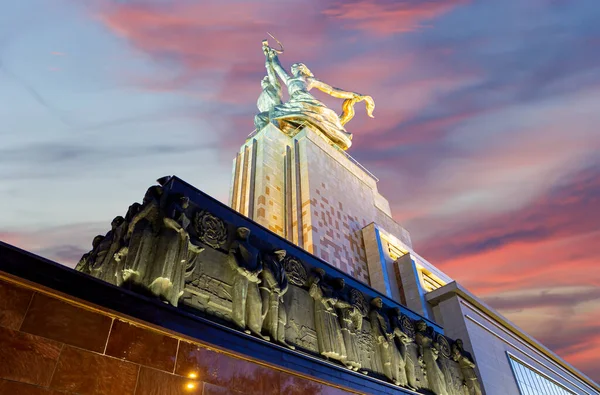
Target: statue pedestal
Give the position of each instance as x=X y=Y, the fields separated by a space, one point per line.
x=315 y=195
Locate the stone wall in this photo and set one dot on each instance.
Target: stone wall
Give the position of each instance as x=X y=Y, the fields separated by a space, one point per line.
x=492 y=342
x=50 y=344
x=311 y=193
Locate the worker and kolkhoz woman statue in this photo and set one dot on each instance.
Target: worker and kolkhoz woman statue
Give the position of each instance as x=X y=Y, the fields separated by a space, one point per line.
x=174 y=249
x=302 y=108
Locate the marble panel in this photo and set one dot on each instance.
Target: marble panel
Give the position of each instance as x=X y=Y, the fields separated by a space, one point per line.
x=142 y=346
x=155 y=382
x=14 y=301
x=15 y=388
x=88 y=373
x=52 y=318
x=211 y=389
x=294 y=385
x=27 y=358
x=226 y=371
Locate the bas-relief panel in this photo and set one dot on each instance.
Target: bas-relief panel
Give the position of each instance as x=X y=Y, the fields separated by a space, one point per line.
x=170 y=247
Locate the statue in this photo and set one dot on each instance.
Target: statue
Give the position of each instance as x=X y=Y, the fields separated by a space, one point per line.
x=112 y=266
x=467 y=368
x=350 y=322
x=246 y=308
x=303 y=108
x=270 y=95
x=274 y=284
x=384 y=339
x=141 y=233
x=429 y=352
x=121 y=255
x=329 y=334
x=87 y=260
x=405 y=364
x=165 y=276
x=104 y=265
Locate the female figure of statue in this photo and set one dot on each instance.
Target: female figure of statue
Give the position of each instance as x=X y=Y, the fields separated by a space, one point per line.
x=303 y=108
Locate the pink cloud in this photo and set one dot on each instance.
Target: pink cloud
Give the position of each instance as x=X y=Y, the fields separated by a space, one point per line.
x=388 y=17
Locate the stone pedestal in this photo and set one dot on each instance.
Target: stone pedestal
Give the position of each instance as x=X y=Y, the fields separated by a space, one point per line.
x=313 y=194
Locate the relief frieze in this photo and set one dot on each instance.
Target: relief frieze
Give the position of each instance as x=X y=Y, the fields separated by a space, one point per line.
x=177 y=249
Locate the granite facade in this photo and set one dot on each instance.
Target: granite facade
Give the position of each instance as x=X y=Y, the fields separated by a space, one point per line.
x=100 y=353
x=312 y=194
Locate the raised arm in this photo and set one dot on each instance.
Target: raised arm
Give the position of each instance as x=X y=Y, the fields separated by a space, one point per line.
x=333 y=91
x=273 y=60
x=272 y=77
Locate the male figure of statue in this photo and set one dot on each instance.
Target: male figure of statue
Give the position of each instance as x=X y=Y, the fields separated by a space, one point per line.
x=384 y=338
x=270 y=95
x=467 y=367
x=246 y=301
x=274 y=284
x=405 y=363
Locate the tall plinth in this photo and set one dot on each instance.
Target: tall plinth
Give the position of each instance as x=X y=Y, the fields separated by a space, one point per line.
x=313 y=194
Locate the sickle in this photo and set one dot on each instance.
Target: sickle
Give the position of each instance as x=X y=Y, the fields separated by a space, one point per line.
x=279 y=51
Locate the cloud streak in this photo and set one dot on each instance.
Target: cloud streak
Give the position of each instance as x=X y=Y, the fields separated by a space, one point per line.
x=485 y=133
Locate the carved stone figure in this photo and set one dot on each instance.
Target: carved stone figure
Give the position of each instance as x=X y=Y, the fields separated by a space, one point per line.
x=246 y=308
x=404 y=362
x=114 y=260
x=87 y=260
x=429 y=352
x=303 y=108
x=165 y=277
x=274 y=285
x=467 y=367
x=121 y=255
x=270 y=95
x=141 y=233
x=329 y=334
x=350 y=322
x=384 y=339
x=105 y=264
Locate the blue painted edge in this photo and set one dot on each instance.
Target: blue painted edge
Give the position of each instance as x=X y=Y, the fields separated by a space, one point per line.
x=386 y=277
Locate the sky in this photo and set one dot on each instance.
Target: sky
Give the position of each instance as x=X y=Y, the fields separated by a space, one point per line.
x=485 y=138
